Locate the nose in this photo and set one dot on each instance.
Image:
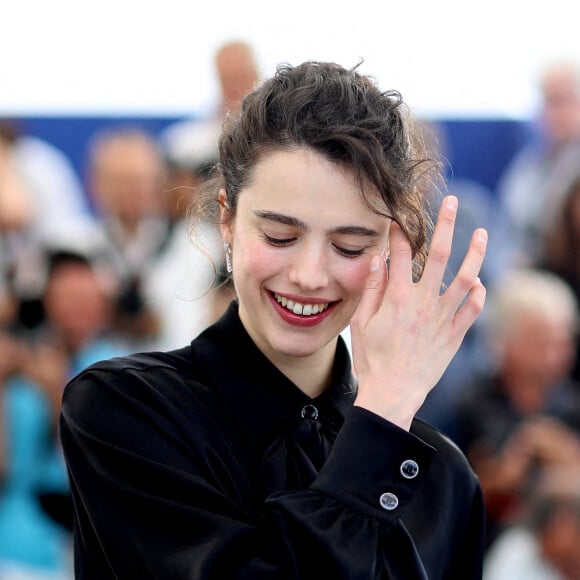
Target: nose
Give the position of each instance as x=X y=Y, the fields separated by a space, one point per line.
x=309 y=267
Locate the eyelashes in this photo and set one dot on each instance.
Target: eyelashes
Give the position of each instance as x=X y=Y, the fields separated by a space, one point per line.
x=349 y=253
x=282 y=242
x=278 y=241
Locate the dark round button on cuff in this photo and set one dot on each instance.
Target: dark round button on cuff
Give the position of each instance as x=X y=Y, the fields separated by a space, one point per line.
x=409 y=469
x=389 y=501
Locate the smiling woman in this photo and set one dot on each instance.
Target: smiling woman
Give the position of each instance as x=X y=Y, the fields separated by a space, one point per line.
x=254 y=452
x=302 y=234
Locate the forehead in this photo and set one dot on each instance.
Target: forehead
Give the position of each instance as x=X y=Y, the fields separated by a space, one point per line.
x=126 y=153
x=543 y=326
x=301 y=181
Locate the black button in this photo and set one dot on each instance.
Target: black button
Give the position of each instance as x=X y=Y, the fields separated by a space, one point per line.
x=389 y=501
x=409 y=469
x=309 y=412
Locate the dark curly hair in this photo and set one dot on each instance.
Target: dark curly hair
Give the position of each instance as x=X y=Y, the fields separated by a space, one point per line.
x=342 y=115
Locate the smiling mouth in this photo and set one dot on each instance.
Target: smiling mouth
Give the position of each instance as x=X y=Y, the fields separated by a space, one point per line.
x=299 y=308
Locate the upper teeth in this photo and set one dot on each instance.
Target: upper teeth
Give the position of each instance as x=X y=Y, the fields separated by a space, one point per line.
x=298 y=308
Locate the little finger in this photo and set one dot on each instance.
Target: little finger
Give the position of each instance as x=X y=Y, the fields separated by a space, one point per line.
x=468 y=273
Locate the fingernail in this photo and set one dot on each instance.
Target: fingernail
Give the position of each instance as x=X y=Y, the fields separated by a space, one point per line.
x=482 y=235
x=451 y=202
x=375 y=263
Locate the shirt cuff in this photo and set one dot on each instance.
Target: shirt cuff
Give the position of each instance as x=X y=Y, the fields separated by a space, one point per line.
x=375 y=466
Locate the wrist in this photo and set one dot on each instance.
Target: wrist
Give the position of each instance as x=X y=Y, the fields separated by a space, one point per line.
x=400 y=413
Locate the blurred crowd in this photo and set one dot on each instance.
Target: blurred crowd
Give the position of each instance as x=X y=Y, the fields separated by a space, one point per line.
x=104 y=264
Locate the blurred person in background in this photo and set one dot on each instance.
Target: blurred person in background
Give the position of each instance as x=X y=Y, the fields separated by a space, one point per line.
x=41 y=197
x=76 y=328
x=561 y=254
x=15 y=215
x=32 y=545
x=535 y=182
x=35 y=511
x=126 y=182
x=190 y=146
x=181 y=283
x=16 y=204
x=41 y=179
x=167 y=282
x=562 y=250
x=523 y=413
x=543 y=544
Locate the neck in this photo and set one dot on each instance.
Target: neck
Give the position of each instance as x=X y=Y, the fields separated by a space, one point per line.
x=311 y=374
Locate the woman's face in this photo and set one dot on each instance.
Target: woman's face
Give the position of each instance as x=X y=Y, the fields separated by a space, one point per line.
x=301 y=242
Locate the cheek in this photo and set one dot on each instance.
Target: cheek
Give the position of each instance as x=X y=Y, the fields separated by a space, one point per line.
x=353 y=274
x=256 y=259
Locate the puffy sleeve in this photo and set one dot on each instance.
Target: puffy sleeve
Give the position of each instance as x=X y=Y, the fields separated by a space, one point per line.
x=160 y=492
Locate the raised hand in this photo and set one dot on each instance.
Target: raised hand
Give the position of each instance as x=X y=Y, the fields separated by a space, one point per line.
x=405 y=333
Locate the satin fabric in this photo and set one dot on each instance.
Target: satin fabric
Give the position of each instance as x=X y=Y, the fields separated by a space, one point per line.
x=208 y=463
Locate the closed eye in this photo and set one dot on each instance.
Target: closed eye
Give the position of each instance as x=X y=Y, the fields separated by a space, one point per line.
x=278 y=241
x=349 y=253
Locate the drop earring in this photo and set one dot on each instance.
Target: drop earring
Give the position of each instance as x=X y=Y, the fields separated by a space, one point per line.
x=228 y=250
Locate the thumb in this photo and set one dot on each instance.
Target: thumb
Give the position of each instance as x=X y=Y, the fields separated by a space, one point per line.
x=373 y=292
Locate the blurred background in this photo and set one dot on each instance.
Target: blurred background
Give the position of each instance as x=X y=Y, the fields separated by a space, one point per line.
x=448 y=58
x=66 y=66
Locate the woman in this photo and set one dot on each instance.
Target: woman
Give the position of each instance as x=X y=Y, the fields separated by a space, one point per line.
x=253 y=452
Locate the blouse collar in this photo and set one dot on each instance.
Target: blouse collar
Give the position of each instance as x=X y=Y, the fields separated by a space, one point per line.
x=261 y=397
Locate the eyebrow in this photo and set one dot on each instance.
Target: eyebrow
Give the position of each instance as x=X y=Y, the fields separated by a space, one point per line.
x=295 y=222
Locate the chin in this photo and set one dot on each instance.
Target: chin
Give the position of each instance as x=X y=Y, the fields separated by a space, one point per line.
x=298 y=346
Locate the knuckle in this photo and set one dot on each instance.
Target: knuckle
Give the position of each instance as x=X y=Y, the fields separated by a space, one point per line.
x=402 y=249
x=464 y=281
x=477 y=307
x=424 y=310
x=398 y=298
x=475 y=303
x=440 y=254
x=372 y=284
x=448 y=217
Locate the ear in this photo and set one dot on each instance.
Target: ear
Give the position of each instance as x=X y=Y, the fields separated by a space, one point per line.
x=225 y=217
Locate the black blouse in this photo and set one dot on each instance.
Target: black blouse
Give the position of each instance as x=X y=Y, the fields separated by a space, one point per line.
x=208 y=463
